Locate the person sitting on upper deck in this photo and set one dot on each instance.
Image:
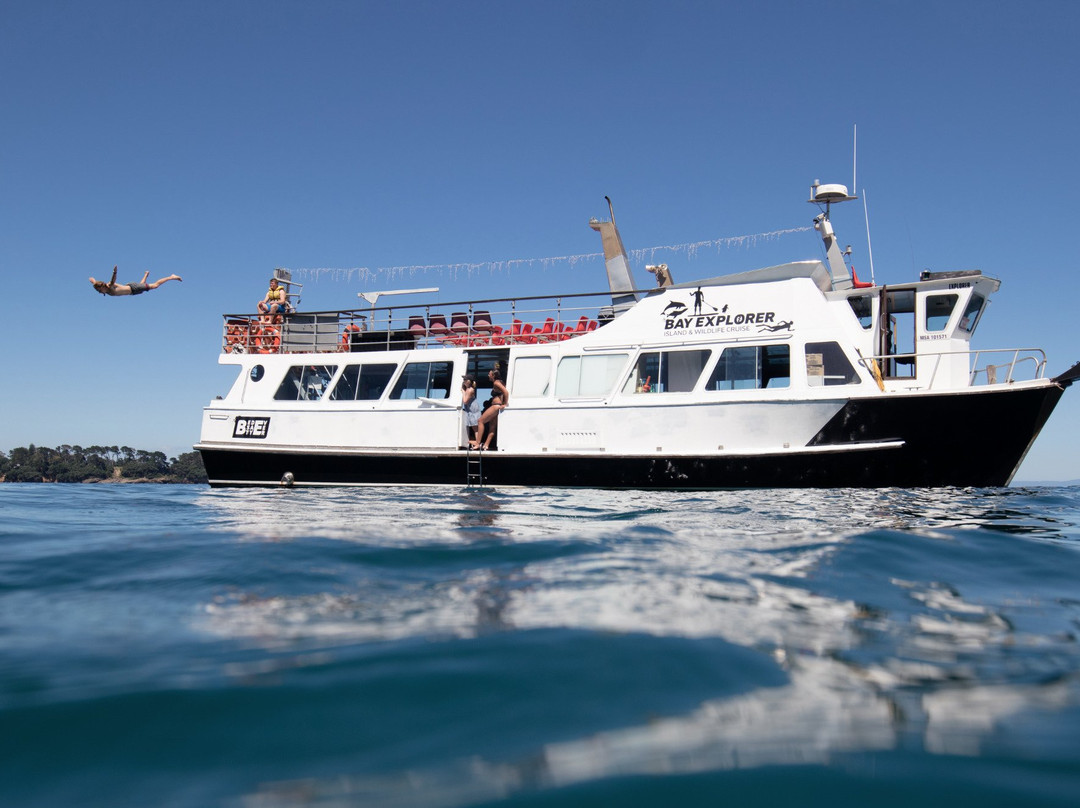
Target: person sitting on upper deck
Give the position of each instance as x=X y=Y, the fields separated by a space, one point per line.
x=488 y=426
x=111 y=287
x=275 y=301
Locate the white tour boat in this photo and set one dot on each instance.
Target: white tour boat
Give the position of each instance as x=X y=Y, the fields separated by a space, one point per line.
x=793 y=375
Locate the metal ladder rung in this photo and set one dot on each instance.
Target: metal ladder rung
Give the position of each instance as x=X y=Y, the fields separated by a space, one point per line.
x=474 y=469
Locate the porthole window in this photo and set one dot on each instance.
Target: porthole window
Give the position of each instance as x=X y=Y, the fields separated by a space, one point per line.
x=257 y=372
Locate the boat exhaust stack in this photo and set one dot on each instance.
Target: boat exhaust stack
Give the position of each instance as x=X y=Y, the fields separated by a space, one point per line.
x=826 y=195
x=618 y=265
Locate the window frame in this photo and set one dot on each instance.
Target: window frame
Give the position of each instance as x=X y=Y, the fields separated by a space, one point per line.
x=762 y=350
x=301 y=382
x=447 y=369
x=613 y=372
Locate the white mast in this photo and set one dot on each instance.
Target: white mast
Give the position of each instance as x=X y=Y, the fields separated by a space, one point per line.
x=827 y=195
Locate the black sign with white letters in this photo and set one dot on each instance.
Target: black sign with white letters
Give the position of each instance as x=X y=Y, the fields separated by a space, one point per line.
x=251 y=427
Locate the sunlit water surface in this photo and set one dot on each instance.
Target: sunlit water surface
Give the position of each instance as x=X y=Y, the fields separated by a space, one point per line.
x=181 y=646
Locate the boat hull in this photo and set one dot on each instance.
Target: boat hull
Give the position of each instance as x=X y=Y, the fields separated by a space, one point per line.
x=972 y=439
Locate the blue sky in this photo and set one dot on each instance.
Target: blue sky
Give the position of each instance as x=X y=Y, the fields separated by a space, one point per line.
x=219 y=140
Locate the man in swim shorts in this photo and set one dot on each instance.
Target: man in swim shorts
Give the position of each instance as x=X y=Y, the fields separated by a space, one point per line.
x=113 y=288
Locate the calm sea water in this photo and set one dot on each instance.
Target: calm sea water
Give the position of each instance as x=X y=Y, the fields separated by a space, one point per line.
x=181 y=646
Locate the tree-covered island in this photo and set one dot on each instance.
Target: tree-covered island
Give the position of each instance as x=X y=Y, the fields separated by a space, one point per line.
x=98 y=464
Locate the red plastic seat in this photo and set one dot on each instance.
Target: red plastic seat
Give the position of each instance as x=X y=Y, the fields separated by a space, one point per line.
x=547 y=333
x=437 y=325
x=857 y=283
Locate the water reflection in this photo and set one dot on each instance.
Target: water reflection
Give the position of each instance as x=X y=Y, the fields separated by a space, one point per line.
x=478 y=509
x=914 y=620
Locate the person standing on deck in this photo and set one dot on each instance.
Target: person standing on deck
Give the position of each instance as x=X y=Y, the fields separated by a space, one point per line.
x=470 y=405
x=489 y=421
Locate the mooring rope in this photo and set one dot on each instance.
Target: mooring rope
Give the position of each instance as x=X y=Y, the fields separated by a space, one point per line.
x=469 y=269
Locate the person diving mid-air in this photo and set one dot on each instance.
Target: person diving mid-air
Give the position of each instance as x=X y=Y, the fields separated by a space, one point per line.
x=111 y=287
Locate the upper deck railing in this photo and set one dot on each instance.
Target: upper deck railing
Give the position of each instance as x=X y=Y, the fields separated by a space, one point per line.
x=472 y=323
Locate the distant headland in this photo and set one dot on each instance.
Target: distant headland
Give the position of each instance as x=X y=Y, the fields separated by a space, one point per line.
x=98 y=464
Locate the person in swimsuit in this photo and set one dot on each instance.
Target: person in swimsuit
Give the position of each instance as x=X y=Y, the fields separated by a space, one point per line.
x=111 y=287
x=488 y=426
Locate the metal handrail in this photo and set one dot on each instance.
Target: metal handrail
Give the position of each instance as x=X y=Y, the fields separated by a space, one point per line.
x=1035 y=355
x=560 y=319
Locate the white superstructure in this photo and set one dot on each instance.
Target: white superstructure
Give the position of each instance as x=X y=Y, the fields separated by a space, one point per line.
x=797 y=374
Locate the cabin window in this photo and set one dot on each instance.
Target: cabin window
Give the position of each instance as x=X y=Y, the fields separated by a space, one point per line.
x=863 y=308
x=592 y=376
x=751 y=367
x=424 y=380
x=827 y=365
x=363 y=382
x=939 y=309
x=666 y=372
x=532 y=377
x=971 y=313
x=305 y=383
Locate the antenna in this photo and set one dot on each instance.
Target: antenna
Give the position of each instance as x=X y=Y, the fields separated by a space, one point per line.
x=854 y=153
x=869 y=248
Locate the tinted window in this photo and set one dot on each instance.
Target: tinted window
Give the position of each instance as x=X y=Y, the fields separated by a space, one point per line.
x=345 y=389
x=827 y=365
x=863 y=307
x=364 y=383
x=304 y=383
x=939 y=309
x=666 y=372
x=592 y=376
x=424 y=380
x=971 y=313
x=751 y=367
x=532 y=376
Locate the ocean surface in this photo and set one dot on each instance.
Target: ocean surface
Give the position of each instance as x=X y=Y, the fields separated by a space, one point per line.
x=182 y=646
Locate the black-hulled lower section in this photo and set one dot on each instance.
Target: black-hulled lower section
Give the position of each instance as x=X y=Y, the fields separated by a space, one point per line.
x=949 y=440
x=976 y=438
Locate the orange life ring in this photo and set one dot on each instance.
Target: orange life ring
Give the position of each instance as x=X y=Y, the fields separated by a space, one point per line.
x=267 y=339
x=234 y=338
x=346 y=337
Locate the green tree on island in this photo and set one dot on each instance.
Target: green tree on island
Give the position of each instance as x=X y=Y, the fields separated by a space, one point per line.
x=74 y=464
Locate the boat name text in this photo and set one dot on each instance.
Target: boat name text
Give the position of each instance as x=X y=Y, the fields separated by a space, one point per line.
x=251 y=427
x=719 y=320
